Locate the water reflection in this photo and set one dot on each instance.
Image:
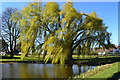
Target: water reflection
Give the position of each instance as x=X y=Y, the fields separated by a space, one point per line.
x=20 y=70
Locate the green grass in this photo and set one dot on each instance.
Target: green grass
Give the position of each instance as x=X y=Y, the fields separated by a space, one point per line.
x=33 y=59
x=101 y=72
x=11 y=60
x=108 y=73
x=96 y=60
x=90 y=56
x=17 y=58
x=91 y=59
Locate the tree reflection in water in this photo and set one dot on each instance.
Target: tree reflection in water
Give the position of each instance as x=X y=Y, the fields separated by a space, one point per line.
x=21 y=70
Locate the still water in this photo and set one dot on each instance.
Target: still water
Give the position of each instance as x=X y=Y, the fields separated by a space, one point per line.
x=21 y=70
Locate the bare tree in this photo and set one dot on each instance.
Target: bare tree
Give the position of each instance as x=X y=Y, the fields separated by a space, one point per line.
x=10 y=29
x=0 y=34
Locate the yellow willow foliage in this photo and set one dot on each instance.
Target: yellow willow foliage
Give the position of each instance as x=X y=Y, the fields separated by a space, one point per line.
x=51 y=10
x=61 y=30
x=16 y=16
x=93 y=22
x=70 y=13
x=29 y=25
x=85 y=49
x=56 y=50
x=24 y=48
x=58 y=46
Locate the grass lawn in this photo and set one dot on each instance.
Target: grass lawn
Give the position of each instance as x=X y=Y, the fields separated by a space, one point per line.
x=95 y=60
x=79 y=58
x=17 y=58
x=109 y=72
x=103 y=72
x=91 y=56
x=86 y=59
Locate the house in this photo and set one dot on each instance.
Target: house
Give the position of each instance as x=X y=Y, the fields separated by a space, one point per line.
x=113 y=50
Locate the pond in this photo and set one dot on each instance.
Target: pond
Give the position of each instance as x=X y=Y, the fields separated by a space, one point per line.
x=22 y=70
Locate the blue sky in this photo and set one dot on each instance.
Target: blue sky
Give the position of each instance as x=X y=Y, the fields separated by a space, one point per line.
x=108 y=11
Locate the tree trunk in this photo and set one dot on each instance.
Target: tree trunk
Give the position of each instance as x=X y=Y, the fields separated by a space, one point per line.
x=45 y=53
x=15 y=44
x=70 y=59
x=11 y=44
x=27 y=52
x=11 y=54
x=11 y=51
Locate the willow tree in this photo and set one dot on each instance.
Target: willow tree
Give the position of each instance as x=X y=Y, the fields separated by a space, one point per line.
x=29 y=24
x=50 y=20
x=62 y=30
x=75 y=29
x=37 y=23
